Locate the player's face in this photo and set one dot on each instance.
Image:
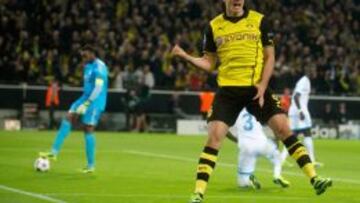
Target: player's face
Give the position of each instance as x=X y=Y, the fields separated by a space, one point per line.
x=87 y=55
x=234 y=7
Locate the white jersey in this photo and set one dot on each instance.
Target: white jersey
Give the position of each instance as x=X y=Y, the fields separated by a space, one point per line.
x=303 y=87
x=247 y=127
x=252 y=142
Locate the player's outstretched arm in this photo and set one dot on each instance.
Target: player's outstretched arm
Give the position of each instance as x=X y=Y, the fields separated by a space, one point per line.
x=206 y=62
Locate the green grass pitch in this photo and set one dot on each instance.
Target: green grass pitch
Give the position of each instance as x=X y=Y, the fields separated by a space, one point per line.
x=159 y=168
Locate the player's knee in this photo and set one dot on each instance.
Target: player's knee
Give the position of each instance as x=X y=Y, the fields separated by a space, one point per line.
x=88 y=128
x=214 y=140
x=280 y=126
x=70 y=117
x=282 y=131
x=217 y=132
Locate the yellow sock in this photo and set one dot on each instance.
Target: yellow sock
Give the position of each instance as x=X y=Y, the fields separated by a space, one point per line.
x=299 y=153
x=205 y=167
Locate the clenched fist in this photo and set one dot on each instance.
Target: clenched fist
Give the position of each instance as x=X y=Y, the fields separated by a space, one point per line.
x=178 y=51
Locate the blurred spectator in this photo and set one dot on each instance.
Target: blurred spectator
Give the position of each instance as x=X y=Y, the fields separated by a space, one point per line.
x=40 y=39
x=174 y=107
x=52 y=101
x=329 y=115
x=131 y=103
x=130 y=77
x=285 y=100
x=136 y=104
x=119 y=78
x=206 y=100
x=148 y=77
x=342 y=117
x=142 y=107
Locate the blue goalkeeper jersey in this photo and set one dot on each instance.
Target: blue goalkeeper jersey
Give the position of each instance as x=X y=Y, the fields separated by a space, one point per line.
x=93 y=72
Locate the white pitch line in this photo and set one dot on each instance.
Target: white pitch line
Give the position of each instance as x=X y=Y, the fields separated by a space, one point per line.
x=176 y=196
x=345 y=180
x=31 y=194
x=179 y=158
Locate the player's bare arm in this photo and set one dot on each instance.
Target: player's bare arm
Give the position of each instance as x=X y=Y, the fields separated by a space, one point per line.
x=298 y=106
x=269 y=61
x=206 y=62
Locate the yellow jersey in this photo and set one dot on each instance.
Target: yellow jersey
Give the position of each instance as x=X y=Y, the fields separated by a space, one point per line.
x=238 y=43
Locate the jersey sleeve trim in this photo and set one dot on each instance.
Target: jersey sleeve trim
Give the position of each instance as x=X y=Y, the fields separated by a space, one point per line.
x=267 y=33
x=208 y=40
x=99 y=82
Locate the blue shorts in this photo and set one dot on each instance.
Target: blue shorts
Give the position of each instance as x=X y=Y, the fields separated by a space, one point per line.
x=92 y=114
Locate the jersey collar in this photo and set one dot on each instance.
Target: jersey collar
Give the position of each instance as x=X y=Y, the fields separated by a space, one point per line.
x=91 y=61
x=237 y=19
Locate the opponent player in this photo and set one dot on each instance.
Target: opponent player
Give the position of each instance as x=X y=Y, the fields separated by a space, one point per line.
x=299 y=116
x=89 y=107
x=241 y=41
x=252 y=142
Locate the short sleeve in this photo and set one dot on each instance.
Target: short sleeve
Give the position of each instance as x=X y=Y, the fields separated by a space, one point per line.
x=100 y=72
x=208 y=40
x=303 y=86
x=267 y=33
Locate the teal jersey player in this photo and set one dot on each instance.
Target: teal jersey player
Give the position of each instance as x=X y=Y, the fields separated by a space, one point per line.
x=89 y=107
x=94 y=92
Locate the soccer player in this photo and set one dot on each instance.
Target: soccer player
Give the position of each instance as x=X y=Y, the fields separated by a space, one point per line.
x=241 y=41
x=299 y=116
x=89 y=107
x=253 y=142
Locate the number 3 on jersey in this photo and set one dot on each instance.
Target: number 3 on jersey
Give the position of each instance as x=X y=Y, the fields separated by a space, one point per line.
x=248 y=125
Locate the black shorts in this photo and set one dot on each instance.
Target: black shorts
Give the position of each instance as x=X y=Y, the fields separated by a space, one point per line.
x=229 y=101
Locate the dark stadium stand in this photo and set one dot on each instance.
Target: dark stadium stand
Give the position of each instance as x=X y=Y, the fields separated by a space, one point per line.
x=40 y=39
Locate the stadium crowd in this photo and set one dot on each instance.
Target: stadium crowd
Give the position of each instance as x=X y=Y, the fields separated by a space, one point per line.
x=39 y=41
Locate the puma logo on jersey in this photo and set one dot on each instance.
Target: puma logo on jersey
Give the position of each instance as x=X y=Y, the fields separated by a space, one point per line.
x=250 y=26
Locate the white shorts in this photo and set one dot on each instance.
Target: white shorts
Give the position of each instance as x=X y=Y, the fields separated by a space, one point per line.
x=249 y=150
x=297 y=124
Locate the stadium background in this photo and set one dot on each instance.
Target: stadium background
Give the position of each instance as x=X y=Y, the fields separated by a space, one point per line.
x=39 y=42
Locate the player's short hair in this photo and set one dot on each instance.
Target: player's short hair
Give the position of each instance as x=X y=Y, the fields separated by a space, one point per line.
x=90 y=48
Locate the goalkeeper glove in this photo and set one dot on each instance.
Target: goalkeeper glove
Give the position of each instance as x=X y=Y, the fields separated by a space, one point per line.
x=83 y=107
